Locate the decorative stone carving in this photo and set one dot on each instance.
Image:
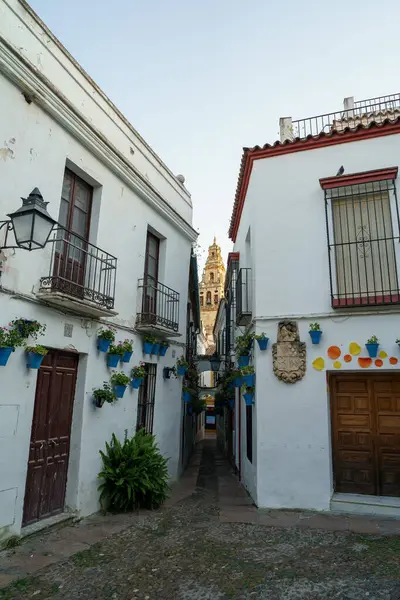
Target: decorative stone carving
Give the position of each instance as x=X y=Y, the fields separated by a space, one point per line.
x=289 y=353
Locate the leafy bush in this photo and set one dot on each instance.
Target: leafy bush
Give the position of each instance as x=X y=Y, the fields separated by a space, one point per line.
x=116 y=349
x=181 y=362
x=10 y=338
x=151 y=339
x=138 y=372
x=373 y=340
x=119 y=378
x=315 y=327
x=260 y=336
x=134 y=474
x=104 y=394
x=127 y=345
x=27 y=327
x=37 y=350
x=106 y=333
x=243 y=344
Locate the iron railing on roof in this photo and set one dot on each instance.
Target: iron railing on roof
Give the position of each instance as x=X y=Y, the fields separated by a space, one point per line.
x=363 y=112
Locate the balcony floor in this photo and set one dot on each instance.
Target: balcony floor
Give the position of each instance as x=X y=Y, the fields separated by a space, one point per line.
x=77 y=305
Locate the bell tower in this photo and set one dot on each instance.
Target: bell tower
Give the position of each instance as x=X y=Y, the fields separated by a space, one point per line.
x=211 y=289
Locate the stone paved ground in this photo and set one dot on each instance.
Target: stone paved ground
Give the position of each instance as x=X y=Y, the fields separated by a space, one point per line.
x=209 y=543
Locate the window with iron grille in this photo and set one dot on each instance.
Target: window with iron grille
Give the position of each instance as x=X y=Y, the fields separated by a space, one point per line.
x=249 y=433
x=362 y=243
x=146 y=399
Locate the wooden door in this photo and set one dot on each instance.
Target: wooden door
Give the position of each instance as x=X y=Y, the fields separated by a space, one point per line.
x=366 y=433
x=151 y=277
x=50 y=437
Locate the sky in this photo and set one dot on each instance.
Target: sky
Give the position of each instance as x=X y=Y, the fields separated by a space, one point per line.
x=201 y=79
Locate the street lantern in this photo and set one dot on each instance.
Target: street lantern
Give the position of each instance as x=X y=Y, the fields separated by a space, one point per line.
x=215 y=362
x=31 y=223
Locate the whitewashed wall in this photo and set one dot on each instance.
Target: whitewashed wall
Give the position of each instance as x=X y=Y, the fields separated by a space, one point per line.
x=285 y=213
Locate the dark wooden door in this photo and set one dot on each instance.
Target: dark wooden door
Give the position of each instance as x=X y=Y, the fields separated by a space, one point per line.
x=50 y=437
x=366 y=433
x=151 y=277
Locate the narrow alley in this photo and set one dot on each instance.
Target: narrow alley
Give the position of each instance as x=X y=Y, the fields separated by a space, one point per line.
x=208 y=542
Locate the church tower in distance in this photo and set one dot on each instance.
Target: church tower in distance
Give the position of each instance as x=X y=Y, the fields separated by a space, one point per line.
x=211 y=289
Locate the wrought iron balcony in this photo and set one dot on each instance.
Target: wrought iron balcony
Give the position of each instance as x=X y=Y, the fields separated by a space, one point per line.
x=81 y=276
x=243 y=297
x=158 y=308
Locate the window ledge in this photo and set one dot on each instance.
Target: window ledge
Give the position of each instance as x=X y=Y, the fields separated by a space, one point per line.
x=366 y=301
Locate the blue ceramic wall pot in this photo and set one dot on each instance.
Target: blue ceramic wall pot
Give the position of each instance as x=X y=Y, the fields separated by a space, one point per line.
x=187 y=397
x=263 y=343
x=113 y=360
x=34 y=360
x=147 y=348
x=163 y=350
x=181 y=370
x=127 y=356
x=248 y=380
x=372 y=349
x=103 y=345
x=243 y=361
x=5 y=355
x=249 y=399
x=119 y=390
x=136 y=382
x=315 y=336
x=237 y=382
x=156 y=348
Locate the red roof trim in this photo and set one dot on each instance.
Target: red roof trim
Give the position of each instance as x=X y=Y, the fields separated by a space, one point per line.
x=233 y=256
x=354 y=134
x=356 y=178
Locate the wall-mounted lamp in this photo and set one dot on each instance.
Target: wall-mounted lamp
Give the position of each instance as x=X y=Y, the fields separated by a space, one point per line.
x=168 y=371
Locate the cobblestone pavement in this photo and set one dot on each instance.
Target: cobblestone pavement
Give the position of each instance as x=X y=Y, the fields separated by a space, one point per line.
x=208 y=543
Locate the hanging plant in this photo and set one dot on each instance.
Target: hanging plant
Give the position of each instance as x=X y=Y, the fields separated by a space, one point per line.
x=127 y=346
x=262 y=341
x=137 y=375
x=148 y=343
x=28 y=328
x=181 y=366
x=104 y=394
x=9 y=340
x=247 y=376
x=163 y=348
x=119 y=381
x=249 y=395
x=372 y=346
x=105 y=336
x=35 y=356
x=315 y=333
x=244 y=344
x=115 y=354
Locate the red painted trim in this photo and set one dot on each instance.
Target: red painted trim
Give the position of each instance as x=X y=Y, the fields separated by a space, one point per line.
x=374 y=130
x=356 y=178
x=366 y=301
x=232 y=256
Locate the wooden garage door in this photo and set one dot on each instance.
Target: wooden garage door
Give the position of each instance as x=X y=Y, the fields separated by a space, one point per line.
x=366 y=433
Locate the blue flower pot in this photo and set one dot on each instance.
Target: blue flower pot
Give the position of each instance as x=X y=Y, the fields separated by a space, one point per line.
x=248 y=380
x=189 y=409
x=187 y=397
x=33 y=360
x=243 y=361
x=119 y=390
x=263 y=343
x=249 y=399
x=113 y=360
x=136 y=382
x=127 y=356
x=181 y=370
x=230 y=385
x=231 y=403
x=163 y=350
x=103 y=345
x=5 y=355
x=147 y=348
x=315 y=336
x=237 y=382
x=372 y=349
x=156 y=349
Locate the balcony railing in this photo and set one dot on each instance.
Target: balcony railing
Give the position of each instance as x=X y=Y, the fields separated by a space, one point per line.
x=362 y=112
x=158 y=307
x=243 y=297
x=80 y=270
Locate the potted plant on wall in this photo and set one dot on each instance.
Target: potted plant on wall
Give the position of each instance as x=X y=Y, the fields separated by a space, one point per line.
x=127 y=346
x=315 y=333
x=35 y=356
x=249 y=395
x=247 y=376
x=163 y=348
x=181 y=366
x=114 y=355
x=148 y=343
x=104 y=394
x=187 y=394
x=372 y=346
x=119 y=382
x=28 y=328
x=244 y=344
x=262 y=341
x=156 y=348
x=137 y=375
x=105 y=336
x=237 y=378
x=9 y=340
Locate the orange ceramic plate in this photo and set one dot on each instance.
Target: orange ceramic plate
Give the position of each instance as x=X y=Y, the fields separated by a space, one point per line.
x=347 y=358
x=364 y=362
x=378 y=362
x=393 y=360
x=334 y=352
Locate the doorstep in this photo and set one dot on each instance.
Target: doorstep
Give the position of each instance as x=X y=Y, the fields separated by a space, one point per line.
x=60 y=519
x=360 y=504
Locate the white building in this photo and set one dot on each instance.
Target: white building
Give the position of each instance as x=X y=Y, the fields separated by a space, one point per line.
x=315 y=227
x=120 y=256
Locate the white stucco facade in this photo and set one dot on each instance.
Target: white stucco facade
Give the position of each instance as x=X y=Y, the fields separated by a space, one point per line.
x=282 y=237
x=52 y=116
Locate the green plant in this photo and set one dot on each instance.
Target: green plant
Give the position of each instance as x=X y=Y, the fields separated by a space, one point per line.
x=104 y=394
x=119 y=378
x=181 y=362
x=260 y=336
x=138 y=372
x=398 y=341
x=116 y=349
x=315 y=327
x=373 y=340
x=151 y=339
x=106 y=333
x=134 y=474
x=164 y=343
x=198 y=404
x=127 y=345
x=243 y=344
x=37 y=350
x=247 y=370
x=10 y=338
x=28 y=328
x=250 y=389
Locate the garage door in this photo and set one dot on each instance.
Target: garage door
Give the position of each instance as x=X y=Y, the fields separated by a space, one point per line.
x=366 y=433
